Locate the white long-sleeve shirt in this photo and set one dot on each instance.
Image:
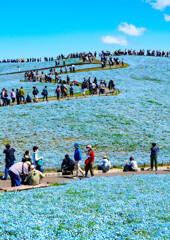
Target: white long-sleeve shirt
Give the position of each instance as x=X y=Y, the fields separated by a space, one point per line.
x=35 y=158
x=133 y=165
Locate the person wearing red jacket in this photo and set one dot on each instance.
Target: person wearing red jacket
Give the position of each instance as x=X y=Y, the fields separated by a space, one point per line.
x=89 y=162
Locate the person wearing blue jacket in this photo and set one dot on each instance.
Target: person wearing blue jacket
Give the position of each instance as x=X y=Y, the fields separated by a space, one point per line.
x=78 y=158
x=45 y=93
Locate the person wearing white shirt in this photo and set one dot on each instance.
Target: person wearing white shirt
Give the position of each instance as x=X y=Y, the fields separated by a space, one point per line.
x=133 y=164
x=105 y=164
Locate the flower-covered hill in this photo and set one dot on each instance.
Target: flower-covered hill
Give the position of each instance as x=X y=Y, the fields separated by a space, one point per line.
x=131 y=207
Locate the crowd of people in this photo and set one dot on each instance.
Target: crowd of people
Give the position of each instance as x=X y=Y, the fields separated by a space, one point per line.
x=141 y=52
x=29 y=171
x=66 y=87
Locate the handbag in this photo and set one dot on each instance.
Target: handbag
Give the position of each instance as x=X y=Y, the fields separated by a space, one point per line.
x=87 y=161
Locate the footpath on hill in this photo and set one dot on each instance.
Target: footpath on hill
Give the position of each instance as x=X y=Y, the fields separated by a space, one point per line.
x=52 y=178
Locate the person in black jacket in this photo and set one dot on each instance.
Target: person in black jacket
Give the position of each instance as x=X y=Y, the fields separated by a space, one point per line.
x=9 y=159
x=67 y=164
x=35 y=93
x=26 y=157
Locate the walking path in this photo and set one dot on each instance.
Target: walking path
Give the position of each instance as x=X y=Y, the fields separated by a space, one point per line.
x=52 y=178
x=76 y=96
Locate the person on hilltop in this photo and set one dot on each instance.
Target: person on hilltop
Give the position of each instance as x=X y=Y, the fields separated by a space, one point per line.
x=35 y=93
x=131 y=166
x=13 y=96
x=37 y=161
x=71 y=90
x=26 y=157
x=18 y=96
x=105 y=164
x=28 y=99
x=34 y=176
x=45 y=93
x=3 y=97
x=22 y=95
x=78 y=158
x=6 y=97
x=58 y=92
x=68 y=79
x=16 y=170
x=89 y=161
x=9 y=159
x=154 y=156
x=67 y=164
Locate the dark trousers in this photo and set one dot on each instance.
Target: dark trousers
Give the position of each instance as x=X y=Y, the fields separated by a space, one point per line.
x=15 y=180
x=154 y=161
x=18 y=100
x=89 y=167
x=58 y=96
x=7 y=166
x=46 y=97
x=39 y=168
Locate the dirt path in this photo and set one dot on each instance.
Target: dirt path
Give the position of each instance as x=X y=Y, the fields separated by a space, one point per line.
x=54 y=179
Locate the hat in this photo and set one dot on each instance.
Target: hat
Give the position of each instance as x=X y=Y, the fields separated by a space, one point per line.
x=76 y=144
x=32 y=167
x=104 y=156
x=29 y=163
x=89 y=146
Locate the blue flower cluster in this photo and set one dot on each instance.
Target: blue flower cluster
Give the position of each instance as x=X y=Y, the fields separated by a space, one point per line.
x=131 y=207
x=118 y=126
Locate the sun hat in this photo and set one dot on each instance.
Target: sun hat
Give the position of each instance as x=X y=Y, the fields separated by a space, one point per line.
x=104 y=156
x=29 y=163
x=32 y=167
x=76 y=144
x=89 y=146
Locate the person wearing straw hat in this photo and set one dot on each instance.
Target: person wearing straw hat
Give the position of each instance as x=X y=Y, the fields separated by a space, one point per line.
x=16 y=170
x=89 y=162
x=105 y=164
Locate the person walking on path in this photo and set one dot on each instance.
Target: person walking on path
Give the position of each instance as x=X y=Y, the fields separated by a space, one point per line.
x=78 y=158
x=71 y=90
x=154 y=156
x=45 y=93
x=35 y=93
x=18 y=96
x=22 y=95
x=58 y=93
x=13 y=96
x=9 y=159
x=16 y=170
x=89 y=162
x=3 y=97
x=37 y=161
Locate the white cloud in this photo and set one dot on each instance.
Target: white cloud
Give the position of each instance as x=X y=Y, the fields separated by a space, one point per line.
x=159 y=4
x=167 y=17
x=131 y=29
x=114 y=40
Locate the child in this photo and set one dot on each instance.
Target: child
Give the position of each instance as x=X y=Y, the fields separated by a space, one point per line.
x=37 y=161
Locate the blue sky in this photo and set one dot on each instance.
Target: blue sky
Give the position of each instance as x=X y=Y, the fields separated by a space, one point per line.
x=47 y=28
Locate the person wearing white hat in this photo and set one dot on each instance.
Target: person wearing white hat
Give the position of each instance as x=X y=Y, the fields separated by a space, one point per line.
x=105 y=164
